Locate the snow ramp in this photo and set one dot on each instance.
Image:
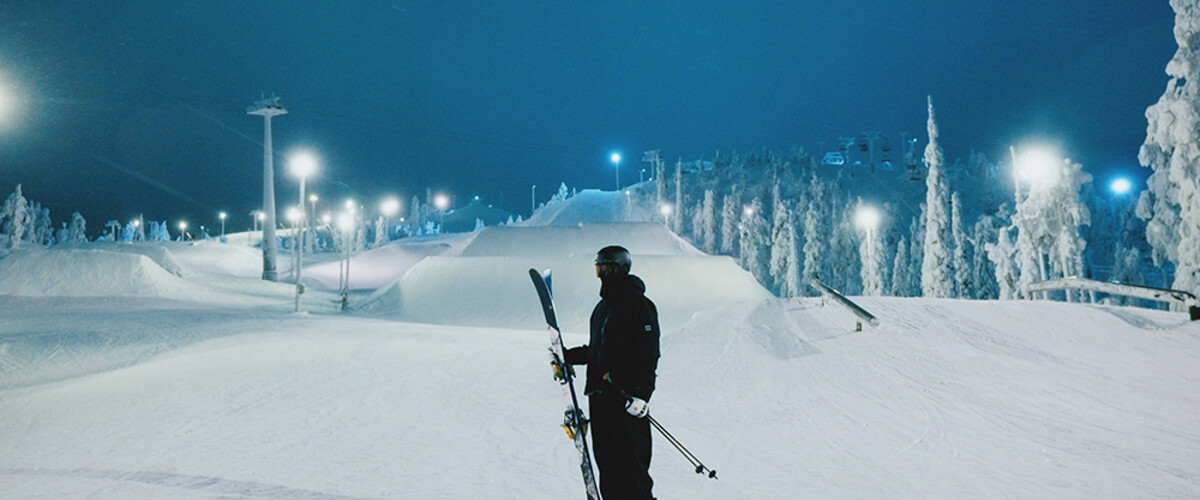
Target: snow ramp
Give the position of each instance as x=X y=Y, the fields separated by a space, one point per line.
x=641 y=238
x=496 y=291
x=589 y=205
x=86 y=273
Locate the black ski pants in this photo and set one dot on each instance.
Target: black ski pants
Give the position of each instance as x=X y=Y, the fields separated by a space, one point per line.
x=621 y=445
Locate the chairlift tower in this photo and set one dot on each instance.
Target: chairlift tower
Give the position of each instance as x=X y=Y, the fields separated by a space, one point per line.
x=871 y=137
x=267 y=108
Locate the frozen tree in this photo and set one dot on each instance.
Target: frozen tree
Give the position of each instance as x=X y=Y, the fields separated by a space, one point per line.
x=871 y=250
x=15 y=214
x=783 y=250
x=1048 y=221
x=935 y=267
x=129 y=232
x=479 y=225
x=414 y=215
x=983 y=271
x=816 y=244
x=62 y=235
x=730 y=217
x=754 y=241
x=964 y=284
x=845 y=265
x=900 y=270
x=381 y=232
x=1001 y=254
x=40 y=228
x=677 y=220
x=704 y=224
x=1172 y=150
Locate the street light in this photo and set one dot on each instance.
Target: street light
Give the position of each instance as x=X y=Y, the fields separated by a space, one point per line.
x=866 y=218
x=665 y=210
x=222 y=217
x=303 y=165
x=346 y=225
x=389 y=208
x=1120 y=186
x=616 y=159
x=182 y=230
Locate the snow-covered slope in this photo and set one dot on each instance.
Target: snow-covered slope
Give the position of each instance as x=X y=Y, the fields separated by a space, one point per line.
x=206 y=385
x=947 y=399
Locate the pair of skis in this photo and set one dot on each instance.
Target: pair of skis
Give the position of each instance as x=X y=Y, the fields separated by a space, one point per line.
x=574 y=421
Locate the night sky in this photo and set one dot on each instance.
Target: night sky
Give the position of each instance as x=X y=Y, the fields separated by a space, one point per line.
x=126 y=107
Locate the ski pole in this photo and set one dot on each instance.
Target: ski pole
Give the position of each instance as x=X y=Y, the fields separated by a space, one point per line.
x=691 y=458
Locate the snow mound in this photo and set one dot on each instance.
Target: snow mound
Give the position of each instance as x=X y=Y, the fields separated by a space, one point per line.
x=497 y=291
x=86 y=273
x=213 y=257
x=155 y=251
x=641 y=238
x=381 y=266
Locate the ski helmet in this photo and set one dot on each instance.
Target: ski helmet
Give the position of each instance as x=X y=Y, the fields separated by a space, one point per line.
x=616 y=256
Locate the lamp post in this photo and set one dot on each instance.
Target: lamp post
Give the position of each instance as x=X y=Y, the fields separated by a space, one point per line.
x=222 y=217
x=616 y=159
x=532 y=199
x=303 y=165
x=389 y=208
x=346 y=225
x=867 y=219
x=182 y=230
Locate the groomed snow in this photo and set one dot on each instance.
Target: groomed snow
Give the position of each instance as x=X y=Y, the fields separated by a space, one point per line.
x=223 y=392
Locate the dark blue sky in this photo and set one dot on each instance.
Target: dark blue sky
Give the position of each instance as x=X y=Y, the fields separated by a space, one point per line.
x=130 y=107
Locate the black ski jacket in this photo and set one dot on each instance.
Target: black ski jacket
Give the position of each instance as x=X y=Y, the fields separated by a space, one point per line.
x=624 y=339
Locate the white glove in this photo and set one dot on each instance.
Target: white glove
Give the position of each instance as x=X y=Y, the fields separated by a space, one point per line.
x=637 y=407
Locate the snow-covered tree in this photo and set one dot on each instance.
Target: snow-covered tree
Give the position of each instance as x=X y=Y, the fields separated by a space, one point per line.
x=479 y=225
x=677 y=220
x=414 y=215
x=816 y=243
x=1172 y=150
x=42 y=227
x=1001 y=254
x=900 y=270
x=753 y=240
x=381 y=232
x=731 y=211
x=15 y=215
x=704 y=224
x=783 y=249
x=935 y=268
x=871 y=250
x=964 y=284
x=983 y=271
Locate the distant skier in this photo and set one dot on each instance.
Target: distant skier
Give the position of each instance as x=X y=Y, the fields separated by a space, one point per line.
x=621 y=357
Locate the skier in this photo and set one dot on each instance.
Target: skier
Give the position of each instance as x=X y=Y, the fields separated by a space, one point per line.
x=621 y=359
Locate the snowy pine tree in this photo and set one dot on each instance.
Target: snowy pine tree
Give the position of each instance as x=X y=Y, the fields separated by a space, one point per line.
x=730 y=220
x=964 y=284
x=1001 y=254
x=900 y=270
x=935 y=268
x=381 y=232
x=783 y=248
x=983 y=271
x=15 y=215
x=1172 y=150
x=754 y=242
x=816 y=244
x=871 y=251
x=706 y=222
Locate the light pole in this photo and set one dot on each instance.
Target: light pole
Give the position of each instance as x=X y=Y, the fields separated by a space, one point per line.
x=222 y=217
x=665 y=210
x=346 y=225
x=616 y=159
x=389 y=208
x=532 y=199
x=303 y=165
x=268 y=108
x=182 y=230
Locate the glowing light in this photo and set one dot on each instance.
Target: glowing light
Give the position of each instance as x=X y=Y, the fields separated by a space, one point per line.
x=748 y=211
x=1038 y=165
x=616 y=158
x=182 y=226
x=441 y=201
x=345 y=221
x=303 y=164
x=665 y=210
x=1121 y=186
x=293 y=215
x=866 y=218
x=221 y=215
x=390 y=207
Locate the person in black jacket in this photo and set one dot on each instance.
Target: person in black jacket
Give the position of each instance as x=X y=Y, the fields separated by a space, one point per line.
x=621 y=360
